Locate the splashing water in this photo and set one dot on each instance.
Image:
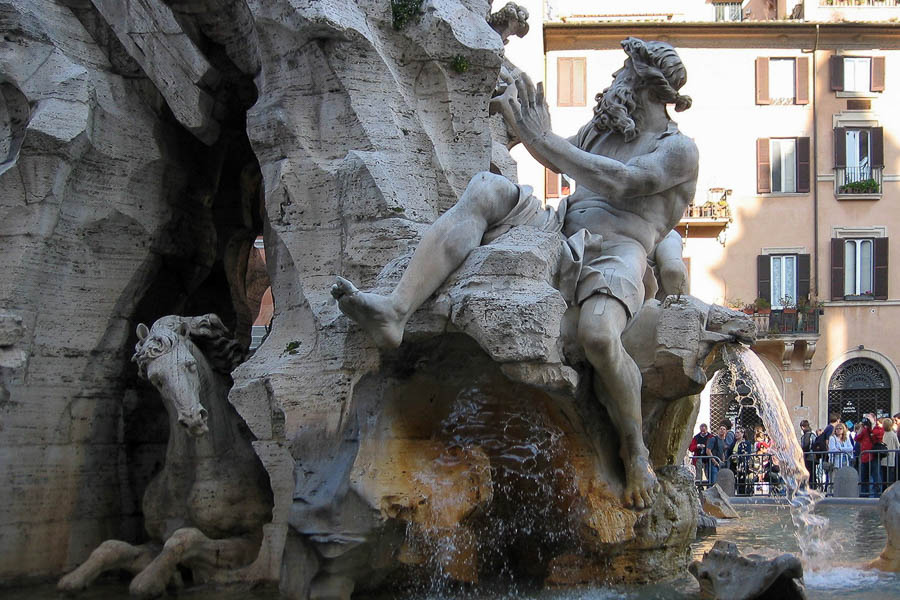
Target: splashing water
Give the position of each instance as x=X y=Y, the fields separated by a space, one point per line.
x=753 y=385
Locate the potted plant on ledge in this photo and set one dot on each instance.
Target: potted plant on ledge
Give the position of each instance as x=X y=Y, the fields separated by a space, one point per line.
x=865 y=186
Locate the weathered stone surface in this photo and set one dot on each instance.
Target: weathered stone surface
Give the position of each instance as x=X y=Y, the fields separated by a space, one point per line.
x=715 y=503
x=889 y=507
x=726 y=574
x=846 y=482
x=725 y=480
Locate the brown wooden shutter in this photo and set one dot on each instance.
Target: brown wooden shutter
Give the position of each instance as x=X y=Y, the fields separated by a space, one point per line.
x=881 y=269
x=840 y=147
x=876 y=138
x=803 y=277
x=763 y=167
x=877 y=75
x=837 y=73
x=801 y=80
x=551 y=184
x=803 y=164
x=837 y=269
x=579 y=82
x=762 y=81
x=564 y=81
x=764 y=277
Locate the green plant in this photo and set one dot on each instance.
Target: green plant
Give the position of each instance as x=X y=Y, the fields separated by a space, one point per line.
x=403 y=11
x=460 y=63
x=291 y=347
x=762 y=304
x=865 y=186
x=787 y=302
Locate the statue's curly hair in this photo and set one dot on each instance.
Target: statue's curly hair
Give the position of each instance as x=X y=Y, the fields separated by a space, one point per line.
x=660 y=68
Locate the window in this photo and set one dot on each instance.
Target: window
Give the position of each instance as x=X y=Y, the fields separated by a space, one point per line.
x=782 y=277
x=557 y=184
x=858 y=160
x=859 y=268
x=729 y=11
x=571 y=84
x=857 y=74
x=784 y=280
x=782 y=165
x=782 y=80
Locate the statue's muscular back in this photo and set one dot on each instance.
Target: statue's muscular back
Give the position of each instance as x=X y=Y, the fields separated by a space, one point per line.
x=642 y=219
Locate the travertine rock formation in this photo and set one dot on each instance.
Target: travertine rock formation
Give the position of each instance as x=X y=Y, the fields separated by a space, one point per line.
x=111 y=212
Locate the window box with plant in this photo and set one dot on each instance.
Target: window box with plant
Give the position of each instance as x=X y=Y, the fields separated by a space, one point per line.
x=866 y=186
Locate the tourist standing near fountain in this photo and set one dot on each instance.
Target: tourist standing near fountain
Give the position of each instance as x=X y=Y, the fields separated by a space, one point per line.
x=891 y=444
x=870 y=433
x=637 y=172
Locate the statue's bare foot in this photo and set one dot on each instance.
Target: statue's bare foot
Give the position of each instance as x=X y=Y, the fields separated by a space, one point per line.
x=376 y=314
x=641 y=485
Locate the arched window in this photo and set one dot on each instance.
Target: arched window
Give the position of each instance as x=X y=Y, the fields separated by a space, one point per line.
x=859 y=386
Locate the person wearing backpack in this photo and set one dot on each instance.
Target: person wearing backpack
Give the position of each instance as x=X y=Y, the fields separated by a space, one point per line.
x=806 y=444
x=716 y=448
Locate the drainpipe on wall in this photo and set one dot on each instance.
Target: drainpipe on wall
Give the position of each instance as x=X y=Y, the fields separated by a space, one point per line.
x=815 y=165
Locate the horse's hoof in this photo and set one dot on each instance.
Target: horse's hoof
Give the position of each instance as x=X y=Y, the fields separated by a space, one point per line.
x=146 y=588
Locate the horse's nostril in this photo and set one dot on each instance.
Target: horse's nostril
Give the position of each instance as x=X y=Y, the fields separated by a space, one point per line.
x=203 y=414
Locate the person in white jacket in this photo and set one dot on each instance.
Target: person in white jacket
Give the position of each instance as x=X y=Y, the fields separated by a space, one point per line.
x=889 y=462
x=840 y=451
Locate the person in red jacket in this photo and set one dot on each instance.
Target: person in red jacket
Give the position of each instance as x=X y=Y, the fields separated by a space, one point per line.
x=870 y=438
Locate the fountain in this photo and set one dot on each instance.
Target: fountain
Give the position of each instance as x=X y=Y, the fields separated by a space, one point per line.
x=485 y=445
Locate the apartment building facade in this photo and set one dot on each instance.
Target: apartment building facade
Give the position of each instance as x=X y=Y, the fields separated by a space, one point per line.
x=793 y=114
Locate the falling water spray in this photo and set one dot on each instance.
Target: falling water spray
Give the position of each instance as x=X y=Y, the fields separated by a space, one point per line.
x=754 y=385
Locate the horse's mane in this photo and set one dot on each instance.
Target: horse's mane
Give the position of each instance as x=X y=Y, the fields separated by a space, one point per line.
x=207 y=332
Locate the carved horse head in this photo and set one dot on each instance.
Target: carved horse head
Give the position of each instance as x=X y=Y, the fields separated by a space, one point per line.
x=177 y=355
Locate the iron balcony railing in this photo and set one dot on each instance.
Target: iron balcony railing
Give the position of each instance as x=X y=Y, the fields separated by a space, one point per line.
x=708 y=211
x=787 y=322
x=856 y=3
x=850 y=181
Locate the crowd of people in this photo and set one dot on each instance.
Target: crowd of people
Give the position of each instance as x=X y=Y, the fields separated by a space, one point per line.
x=870 y=446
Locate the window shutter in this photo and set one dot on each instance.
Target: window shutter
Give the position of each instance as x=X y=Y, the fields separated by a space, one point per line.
x=837 y=73
x=877 y=75
x=881 y=269
x=876 y=137
x=840 y=147
x=763 y=168
x=762 y=81
x=801 y=79
x=579 y=82
x=803 y=164
x=803 y=272
x=764 y=277
x=551 y=184
x=564 y=81
x=837 y=269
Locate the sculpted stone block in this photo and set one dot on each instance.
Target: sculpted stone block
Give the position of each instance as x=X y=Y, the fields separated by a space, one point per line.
x=725 y=573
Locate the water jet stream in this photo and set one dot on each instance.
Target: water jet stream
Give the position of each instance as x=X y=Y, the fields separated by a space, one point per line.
x=753 y=384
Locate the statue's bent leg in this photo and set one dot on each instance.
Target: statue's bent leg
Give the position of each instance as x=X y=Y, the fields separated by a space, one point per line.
x=487 y=199
x=617 y=383
x=108 y=556
x=191 y=547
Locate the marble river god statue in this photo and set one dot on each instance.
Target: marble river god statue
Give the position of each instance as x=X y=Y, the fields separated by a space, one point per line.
x=206 y=508
x=635 y=173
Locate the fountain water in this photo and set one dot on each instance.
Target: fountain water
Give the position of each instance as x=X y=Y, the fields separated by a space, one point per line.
x=753 y=385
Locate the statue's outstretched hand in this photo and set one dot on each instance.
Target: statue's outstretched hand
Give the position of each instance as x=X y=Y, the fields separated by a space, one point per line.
x=523 y=107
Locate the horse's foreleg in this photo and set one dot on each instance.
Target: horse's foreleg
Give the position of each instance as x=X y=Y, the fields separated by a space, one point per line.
x=189 y=546
x=110 y=555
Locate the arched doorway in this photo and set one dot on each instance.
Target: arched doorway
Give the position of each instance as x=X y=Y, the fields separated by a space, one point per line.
x=723 y=403
x=857 y=387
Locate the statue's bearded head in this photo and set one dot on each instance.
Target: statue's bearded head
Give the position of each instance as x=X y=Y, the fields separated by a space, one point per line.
x=654 y=66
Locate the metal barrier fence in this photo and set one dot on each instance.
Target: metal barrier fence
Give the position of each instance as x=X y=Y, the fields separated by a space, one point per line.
x=758 y=474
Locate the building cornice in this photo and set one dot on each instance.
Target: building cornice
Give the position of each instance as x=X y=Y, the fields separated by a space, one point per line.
x=746 y=34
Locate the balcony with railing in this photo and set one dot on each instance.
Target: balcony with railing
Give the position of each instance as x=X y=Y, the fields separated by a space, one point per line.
x=793 y=332
x=715 y=212
x=854 y=183
x=858 y=3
